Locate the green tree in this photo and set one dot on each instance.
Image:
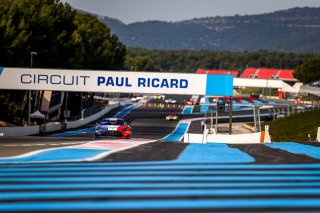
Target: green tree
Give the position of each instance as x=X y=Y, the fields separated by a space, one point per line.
x=119 y=51
x=141 y=63
x=62 y=37
x=308 y=72
x=43 y=26
x=100 y=50
x=190 y=61
x=10 y=106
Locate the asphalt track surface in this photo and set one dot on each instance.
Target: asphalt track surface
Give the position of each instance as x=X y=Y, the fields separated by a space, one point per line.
x=164 y=176
x=147 y=122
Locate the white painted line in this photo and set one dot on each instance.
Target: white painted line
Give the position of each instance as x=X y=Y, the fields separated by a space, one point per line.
x=102 y=155
x=105 y=154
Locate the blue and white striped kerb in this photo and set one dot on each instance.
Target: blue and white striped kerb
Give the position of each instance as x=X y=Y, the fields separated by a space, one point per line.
x=219 y=85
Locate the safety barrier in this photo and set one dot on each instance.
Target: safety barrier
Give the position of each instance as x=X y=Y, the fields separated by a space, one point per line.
x=51 y=127
x=33 y=130
x=19 y=131
x=249 y=138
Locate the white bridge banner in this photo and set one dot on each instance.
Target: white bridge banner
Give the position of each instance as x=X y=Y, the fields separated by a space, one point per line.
x=114 y=81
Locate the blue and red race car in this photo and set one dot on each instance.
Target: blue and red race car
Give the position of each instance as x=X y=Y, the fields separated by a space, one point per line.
x=191 y=102
x=116 y=127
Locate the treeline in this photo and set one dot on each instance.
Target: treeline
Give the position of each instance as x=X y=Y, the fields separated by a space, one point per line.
x=61 y=37
x=55 y=36
x=190 y=60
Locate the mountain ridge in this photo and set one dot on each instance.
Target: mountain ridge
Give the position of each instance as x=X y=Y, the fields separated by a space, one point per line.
x=292 y=30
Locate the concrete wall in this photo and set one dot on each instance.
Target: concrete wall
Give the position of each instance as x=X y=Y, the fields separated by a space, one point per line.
x=19 y=131
x=50 y=127
x=250 y=138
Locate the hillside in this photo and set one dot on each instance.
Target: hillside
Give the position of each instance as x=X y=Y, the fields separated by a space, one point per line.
x=296 y=127
x=293 y=30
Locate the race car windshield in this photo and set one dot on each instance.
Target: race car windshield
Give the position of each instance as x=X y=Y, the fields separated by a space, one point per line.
x=112 y=122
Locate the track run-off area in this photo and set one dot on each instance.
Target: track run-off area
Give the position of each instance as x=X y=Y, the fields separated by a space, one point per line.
x=155 y=172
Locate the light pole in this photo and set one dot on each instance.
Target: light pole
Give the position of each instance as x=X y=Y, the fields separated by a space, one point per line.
x=31 y=57
x=29 y=96
x=230 y=115
x=267 y=89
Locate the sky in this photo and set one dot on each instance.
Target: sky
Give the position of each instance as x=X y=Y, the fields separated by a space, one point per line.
x=129 y=11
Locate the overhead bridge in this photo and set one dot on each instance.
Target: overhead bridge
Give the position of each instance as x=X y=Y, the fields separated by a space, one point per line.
x=267 y=83
x=310 y=90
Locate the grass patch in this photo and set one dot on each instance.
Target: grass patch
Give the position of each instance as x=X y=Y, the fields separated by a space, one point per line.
x=296 y=127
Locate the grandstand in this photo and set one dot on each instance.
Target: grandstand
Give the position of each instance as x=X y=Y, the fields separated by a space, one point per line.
x=286 y=74
x=267 y=73
x=258 y=73
x=218 y=72
x=263 y=73
x=249 y=73
x=266 y=78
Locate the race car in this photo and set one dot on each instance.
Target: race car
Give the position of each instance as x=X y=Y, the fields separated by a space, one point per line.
x=159 y=97
x=116 y=127
x=191 y=102
x=172 y=117
x=170 y=101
